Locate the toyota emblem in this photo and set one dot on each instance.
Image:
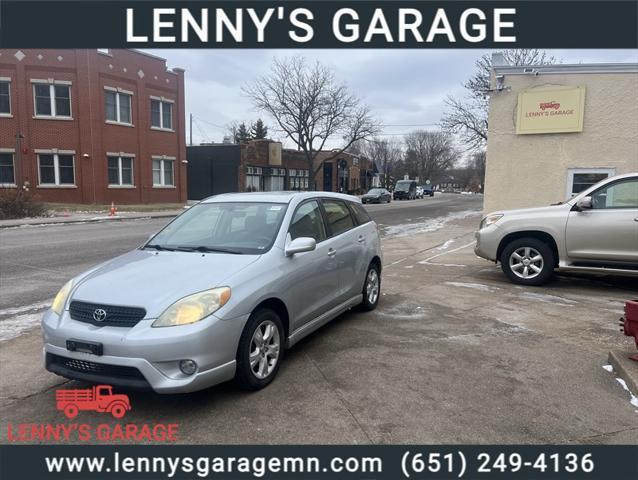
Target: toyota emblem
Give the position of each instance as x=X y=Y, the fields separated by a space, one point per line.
x=99 y=315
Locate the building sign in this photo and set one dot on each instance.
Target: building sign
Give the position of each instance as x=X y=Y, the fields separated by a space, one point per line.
x=550 y=110
x=274 y=153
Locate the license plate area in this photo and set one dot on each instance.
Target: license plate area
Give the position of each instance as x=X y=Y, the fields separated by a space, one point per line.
x=74 y=345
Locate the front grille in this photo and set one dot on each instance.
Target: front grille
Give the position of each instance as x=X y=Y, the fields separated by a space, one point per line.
x=93 y=368
x=116 y=316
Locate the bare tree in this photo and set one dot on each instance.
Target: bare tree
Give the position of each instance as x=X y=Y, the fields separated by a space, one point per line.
x=386 y=154
x=428 y=154
x=467 y=116
x=311 y=107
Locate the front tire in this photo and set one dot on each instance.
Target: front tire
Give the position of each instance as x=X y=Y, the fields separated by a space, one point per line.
x=528 y=261
x=260 y=351
x=371 y=288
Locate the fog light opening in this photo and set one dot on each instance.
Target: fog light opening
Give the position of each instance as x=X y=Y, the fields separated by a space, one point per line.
x=188 y=367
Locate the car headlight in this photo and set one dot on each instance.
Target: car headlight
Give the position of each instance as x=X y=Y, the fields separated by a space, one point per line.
x=490 y=220
x=60 y=299
x=193 y=308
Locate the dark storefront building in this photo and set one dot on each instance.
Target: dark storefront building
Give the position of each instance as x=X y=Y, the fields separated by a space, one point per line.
x=263 y=165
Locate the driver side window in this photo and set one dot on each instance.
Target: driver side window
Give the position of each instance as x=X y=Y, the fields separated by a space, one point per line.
x=623 y=194
x=307 y=222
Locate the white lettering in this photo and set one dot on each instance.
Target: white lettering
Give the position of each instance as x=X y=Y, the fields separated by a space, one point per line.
x=353 y=28
x=188 y=21
x=158 y=24
x=444 y=28
x=499 y=24
x=304 y=25
x=130 y=36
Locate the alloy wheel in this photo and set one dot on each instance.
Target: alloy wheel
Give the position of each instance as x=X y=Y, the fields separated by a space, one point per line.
x=264 y=349
x=526 y=262
x=372 y=286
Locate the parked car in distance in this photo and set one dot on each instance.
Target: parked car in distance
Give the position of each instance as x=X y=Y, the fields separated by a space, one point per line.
x=419 y=191
x=428 y=190
x=219 y=293
x=594 y=232
x=377 y=195
x=405 y=189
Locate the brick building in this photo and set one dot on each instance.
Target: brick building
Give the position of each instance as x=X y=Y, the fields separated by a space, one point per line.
x=263 y=165
x=92 y=126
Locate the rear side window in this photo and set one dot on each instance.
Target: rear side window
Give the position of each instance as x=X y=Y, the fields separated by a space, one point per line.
x=307 y=222
x=360 y=214
x=338 y=216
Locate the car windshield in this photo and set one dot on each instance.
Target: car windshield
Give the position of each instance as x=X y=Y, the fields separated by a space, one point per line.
x=375 y=191
x=403 y=186
x=225 y=227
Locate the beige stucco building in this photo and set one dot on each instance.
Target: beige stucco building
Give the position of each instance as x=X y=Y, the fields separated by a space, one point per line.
x=592 y=114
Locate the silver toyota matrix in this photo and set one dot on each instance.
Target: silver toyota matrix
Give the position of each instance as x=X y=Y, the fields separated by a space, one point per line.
x=218 y=294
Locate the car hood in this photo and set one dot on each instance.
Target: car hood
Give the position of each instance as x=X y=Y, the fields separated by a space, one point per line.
x=371 y=195
x=533 y=211
x=155 y=280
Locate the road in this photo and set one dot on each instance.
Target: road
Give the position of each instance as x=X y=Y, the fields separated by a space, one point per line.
x=453 y=354
x=36 y=261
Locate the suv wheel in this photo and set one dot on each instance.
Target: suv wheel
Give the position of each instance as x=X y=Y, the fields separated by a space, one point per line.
x=371 y=289
x=528 y=261
x=260 y=350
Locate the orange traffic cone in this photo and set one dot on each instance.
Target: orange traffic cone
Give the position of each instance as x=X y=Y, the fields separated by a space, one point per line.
x=113 y=211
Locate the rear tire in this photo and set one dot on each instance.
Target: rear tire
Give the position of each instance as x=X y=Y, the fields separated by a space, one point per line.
x=528 y=261
x=259 y=355
x=371 y=289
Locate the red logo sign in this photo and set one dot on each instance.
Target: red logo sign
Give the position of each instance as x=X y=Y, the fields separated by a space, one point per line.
x=97 y=399
x=545 y=105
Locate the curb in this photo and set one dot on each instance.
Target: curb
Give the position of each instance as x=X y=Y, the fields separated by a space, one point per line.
x=58 y=221
x=625 y=368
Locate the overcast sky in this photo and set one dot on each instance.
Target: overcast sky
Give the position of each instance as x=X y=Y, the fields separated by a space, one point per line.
x=405 y=88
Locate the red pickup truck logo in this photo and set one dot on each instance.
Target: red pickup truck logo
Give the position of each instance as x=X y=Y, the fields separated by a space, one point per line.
x=98 y=399
x=545 y=105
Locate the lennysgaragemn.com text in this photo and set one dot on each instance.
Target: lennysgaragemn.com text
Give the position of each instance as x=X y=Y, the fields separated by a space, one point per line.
x=210 y=466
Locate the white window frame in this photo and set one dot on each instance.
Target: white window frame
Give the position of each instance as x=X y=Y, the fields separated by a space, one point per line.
x=7 y=80
x=11 y=152
x=120 y=156
x=162 y=183
x=52 y=84
x=610 y=171
x=56 y=168
x=118 y=91
x=162 y=101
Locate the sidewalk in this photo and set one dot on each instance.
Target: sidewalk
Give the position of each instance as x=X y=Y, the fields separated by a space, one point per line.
x=88 y=217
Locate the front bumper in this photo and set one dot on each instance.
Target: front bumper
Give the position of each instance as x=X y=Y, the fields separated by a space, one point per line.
x=487 y=242
x=153 y=352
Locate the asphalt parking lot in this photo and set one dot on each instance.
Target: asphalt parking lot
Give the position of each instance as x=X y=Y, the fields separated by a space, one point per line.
x=453 y=354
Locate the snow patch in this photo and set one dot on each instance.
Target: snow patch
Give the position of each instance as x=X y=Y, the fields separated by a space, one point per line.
x=633 y=400
x=17 y=320
x=609 y=368
x=446 y=244
x=545 y=298
x=474 y=286
x=429 y=225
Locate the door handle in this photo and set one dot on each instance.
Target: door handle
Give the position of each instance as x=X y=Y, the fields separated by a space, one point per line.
x=332 y=252
x=361 y=239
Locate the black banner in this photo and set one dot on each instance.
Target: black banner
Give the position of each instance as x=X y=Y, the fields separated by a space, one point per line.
x=318 y=24
x=392 y=462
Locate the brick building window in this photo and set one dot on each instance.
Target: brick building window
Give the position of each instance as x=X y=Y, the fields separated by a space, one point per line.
x=298 y=179
x=120 y=170
x=161 y=113
x=52 y=100
x=254 y=179
x=163 y=172
x=5 y=97
x=7 y=169
x=56 y=169
x=117 y=106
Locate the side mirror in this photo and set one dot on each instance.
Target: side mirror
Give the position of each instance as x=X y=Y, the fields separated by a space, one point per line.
x=299 y=245
x=584 y=203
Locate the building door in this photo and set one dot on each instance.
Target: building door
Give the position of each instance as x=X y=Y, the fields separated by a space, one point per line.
x=327 y=177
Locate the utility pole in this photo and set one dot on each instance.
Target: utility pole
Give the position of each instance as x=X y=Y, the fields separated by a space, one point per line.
x=191 y=130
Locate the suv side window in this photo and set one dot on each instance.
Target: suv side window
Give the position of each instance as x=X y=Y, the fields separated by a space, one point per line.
x=360 y=213
x=307 y=222
x=622 y=194
x=338 y=216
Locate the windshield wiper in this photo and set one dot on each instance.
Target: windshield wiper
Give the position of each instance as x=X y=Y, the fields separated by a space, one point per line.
x=158 y=247
x=205 y=249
